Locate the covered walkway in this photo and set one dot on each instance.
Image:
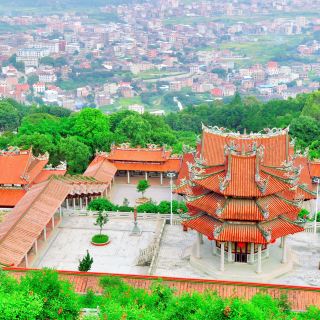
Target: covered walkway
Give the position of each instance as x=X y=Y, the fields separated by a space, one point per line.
x=38 y=212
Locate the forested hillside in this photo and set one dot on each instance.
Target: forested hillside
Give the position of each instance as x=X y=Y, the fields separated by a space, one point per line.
x=75 y=137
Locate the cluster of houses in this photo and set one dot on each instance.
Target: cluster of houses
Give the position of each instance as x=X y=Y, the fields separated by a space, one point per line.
x=169 y=46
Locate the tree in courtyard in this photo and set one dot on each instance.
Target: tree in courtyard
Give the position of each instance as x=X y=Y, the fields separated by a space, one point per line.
x=101 y=220
x=142 y=186
x=85 y=263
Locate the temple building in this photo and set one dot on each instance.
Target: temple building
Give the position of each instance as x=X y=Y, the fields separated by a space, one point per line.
x=19 y=170
x=243 y=192
x=143 y=163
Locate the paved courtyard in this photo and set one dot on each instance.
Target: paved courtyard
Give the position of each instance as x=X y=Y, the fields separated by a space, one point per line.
x=72 y=239
x=156 y=192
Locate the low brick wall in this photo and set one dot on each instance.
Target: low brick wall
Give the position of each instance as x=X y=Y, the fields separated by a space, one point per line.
x=299 y=297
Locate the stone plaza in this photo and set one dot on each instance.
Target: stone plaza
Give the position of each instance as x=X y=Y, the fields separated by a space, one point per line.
x=71 y=239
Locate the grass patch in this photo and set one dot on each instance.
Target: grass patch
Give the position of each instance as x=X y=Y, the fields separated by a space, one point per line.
x=100 y=238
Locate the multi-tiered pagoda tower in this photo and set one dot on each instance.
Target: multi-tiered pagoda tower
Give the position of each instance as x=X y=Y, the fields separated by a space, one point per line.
x=243 y=192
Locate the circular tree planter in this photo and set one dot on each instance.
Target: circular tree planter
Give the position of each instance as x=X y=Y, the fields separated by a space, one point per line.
x=142 y=200
x=100 y=240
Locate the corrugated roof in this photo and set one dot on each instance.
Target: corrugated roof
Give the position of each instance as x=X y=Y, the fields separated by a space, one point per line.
x=25 y=223
x=276 y=146
x=280 y=227
x=168 y=165
x=139 y=154
x=101 y=169
x=241 y=232
x=45 y=174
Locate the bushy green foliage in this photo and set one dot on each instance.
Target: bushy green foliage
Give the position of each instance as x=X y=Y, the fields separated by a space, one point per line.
x=142 y=186
x=149 y=207
x=101 y=204
x=39 y=296
x=75 y=137
x=177 y=207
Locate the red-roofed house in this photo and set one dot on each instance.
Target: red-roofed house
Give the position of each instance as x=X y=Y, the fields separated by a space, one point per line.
x=217 y=92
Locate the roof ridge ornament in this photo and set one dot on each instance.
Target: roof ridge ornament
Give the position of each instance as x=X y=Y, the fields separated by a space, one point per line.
x=266 y=233
x=217 y=231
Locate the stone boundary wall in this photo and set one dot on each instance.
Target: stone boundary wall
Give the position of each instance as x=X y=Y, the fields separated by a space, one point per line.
x=299 y=297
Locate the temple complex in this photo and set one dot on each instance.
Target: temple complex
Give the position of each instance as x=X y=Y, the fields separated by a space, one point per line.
x=243 y=192
x=19 y=170
x=124 y=161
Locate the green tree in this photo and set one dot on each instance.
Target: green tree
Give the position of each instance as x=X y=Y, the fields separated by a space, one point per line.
x=312 y=106
x=134 y=129
x=32 y=79
x=101 y=220
x=9 y=116
x=92 y=127
x=314 y=150
x=305 y=130
x=39 y=142
x=49 y=61
x=142 y=186
x=76 y=153
x=85 y=263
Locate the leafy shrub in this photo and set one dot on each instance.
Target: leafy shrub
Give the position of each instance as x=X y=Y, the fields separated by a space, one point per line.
x=177 y=207
x=148 y=207
x=124 y=208
x=101 y=204
x=58 y=297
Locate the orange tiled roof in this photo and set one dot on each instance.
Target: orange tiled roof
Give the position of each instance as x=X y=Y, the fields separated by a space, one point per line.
x=139 y=154
x=247 y=185
x=276 y=145
x=101 y=169
x=20 y=167
x=45 y=174
x=25 y=223
x=315 y=169
x=10 y=197
x=242 y=181
x=281 y=227
x=242 y=232
x=168 y=165
x=184 y=171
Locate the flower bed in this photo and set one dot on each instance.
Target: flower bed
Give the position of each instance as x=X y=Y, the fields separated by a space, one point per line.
x=100 y=240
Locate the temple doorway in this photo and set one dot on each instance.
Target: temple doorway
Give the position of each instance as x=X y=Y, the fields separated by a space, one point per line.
x=241 y=252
